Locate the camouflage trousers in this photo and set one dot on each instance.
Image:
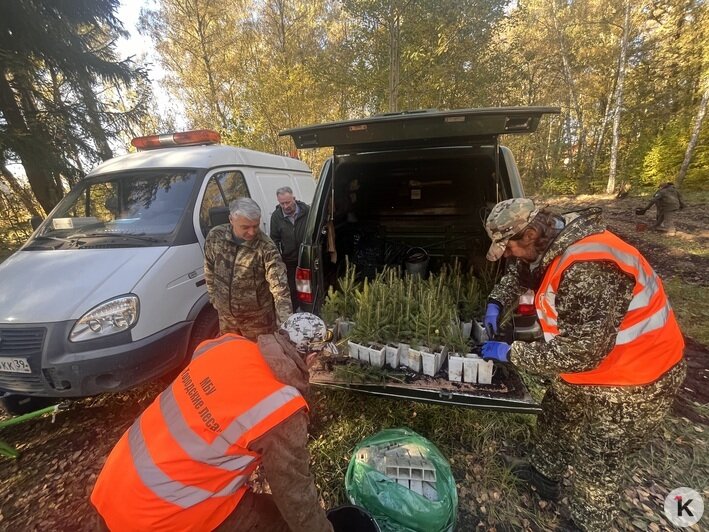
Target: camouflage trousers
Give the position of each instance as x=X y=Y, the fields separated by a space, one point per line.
x=596 y=430
x=255 y=512
x=665 y=221
x=248 y=325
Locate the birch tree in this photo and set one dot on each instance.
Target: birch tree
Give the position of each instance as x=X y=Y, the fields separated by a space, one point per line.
x=696 y=130
x=618 y=97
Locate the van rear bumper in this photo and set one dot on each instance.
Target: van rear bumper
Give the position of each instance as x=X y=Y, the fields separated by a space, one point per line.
x=60 y=368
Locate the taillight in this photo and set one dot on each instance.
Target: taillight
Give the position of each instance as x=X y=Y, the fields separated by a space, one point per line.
x=526 y=310
x=302 y=285
x=525 y=306
x=183 y=138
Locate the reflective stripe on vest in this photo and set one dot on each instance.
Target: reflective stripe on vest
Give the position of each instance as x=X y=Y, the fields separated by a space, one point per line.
x=198 y=450
x=209 y=344
x=636 y=358
x=629 y=263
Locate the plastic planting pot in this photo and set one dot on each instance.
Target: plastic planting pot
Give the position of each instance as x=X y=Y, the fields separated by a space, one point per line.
x=351 y=518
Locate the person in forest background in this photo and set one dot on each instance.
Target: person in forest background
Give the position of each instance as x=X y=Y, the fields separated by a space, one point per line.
x=667 y=200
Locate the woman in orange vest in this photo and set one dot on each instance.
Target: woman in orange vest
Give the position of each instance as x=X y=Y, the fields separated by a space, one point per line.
x=185 y=462
x=611 y=346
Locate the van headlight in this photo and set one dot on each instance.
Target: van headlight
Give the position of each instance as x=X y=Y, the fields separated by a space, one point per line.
x=110 y=317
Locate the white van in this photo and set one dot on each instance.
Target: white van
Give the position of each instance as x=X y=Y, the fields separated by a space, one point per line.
x=109 y=291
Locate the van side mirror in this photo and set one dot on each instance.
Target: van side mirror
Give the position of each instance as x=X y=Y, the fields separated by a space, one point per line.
x=36 y=221
x=218 y=216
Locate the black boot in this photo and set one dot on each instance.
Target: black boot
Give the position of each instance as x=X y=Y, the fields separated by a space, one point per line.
x=546 y=488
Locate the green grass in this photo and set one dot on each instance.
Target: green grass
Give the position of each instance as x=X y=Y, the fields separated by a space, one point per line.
x=473 y=441
x=691 y=305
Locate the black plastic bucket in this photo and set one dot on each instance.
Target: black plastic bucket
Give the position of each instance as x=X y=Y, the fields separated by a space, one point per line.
x=416 y=262
x=351 y=518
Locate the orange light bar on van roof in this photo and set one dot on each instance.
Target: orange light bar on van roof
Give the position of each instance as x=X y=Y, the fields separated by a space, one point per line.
x=182 y=138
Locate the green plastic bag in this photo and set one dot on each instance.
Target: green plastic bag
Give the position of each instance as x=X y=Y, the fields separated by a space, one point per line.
x=396 y=507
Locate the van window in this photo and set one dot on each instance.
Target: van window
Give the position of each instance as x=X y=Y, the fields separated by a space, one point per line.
x=145 y=204
x=222 y=188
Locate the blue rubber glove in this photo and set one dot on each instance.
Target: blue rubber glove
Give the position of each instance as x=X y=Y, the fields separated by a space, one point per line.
x=496 y=351
x=492 y=319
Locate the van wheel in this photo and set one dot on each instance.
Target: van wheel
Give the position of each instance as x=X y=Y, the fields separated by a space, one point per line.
x=206 y=326
x=17 y=405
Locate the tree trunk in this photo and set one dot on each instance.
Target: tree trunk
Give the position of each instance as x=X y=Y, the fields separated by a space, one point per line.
x=571 y=85
x=694 y=138
x=394 y=59
x=610 y=186
x=93 y=119
x=31 y=152
x=215 y=102
x=602 y=133
x=18 y=191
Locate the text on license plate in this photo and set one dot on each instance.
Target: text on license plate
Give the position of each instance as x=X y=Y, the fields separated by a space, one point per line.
x=14 y=365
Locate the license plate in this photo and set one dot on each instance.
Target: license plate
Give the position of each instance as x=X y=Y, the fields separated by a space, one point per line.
x=14 y=365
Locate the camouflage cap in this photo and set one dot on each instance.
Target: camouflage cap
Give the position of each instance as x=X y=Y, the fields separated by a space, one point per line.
x=308 y=333
x=508 y=218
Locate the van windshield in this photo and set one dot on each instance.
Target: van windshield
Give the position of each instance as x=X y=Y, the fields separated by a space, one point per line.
x=132 y=209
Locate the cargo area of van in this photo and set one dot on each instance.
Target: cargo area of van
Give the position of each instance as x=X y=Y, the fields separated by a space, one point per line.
x=386 y=208
x=409 y=194
x=417 y=213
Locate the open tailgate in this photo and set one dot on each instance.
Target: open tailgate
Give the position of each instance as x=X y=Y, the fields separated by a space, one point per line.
x=443 y=128
x=507 y=393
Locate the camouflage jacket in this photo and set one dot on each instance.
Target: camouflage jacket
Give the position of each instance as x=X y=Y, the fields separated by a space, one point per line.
x=245 y=279
x=667 y=198
x=592 y=299
x=284 y=449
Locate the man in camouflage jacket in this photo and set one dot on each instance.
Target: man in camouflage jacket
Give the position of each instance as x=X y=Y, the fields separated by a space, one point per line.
x=667 y=200
x=246 y=277
x=594 y=429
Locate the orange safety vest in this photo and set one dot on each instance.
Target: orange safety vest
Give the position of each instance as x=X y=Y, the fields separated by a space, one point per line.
x=649 y=341
x=184 y=463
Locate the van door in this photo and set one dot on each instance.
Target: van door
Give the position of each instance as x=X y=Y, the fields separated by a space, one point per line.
x=305 y=185
x=312 y=264
x=269 y=182
x=221 y=188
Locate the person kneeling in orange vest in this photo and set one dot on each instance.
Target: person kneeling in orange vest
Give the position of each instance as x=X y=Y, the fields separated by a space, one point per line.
x=185 y=462
x=611 y=347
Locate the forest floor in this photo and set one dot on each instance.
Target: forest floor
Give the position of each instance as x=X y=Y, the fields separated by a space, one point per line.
x=48 y=486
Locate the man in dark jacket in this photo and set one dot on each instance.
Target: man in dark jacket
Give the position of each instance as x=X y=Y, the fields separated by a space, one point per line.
x=667 y=201
x=287 y=231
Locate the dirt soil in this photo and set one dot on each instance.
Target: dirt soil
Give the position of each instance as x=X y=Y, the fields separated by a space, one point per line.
x=48 y=487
